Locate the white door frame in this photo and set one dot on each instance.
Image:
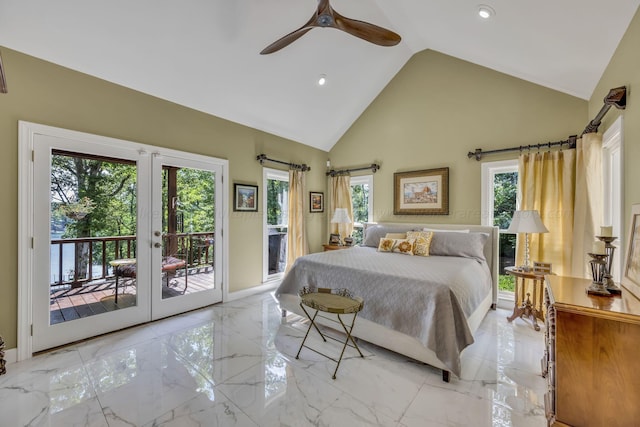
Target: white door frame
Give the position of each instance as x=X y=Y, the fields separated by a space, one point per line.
x=26 y=134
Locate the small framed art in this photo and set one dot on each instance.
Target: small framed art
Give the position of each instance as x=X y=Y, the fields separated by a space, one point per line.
x=245 y=198
x=334 y=239
x=316 y=201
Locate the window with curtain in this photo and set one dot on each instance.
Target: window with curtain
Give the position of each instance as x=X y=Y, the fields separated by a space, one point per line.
x=499 y=202
x=276 y=185
x=362 y=201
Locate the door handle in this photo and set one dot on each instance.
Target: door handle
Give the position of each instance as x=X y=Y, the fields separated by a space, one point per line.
x=157 y=233
x=157 y=245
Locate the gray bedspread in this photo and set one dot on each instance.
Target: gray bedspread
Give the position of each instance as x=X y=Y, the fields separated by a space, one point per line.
x=428 y=298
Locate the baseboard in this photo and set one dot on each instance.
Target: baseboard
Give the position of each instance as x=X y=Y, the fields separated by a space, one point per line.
x=266 y=286
x=11 y=355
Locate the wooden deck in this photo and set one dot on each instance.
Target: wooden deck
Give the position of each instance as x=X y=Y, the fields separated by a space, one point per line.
x=70 y=304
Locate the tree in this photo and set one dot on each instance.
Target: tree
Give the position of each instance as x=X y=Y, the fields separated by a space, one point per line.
x=97 y=197
x=505 y=188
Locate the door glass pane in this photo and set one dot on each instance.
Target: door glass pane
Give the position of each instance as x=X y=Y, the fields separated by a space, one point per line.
x=93 y=210
x=505 y=187
x=188 y=222
x=277 y=223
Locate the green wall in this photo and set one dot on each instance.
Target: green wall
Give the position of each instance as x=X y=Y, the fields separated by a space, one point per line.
x=623 y=71
x=439 y=108
x=45 y=93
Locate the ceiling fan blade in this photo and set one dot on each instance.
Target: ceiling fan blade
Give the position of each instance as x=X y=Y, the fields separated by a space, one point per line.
x=366 y=31
x=291 y=37
x=285 y=41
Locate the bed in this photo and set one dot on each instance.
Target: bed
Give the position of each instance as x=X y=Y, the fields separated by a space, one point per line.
x=424 y=307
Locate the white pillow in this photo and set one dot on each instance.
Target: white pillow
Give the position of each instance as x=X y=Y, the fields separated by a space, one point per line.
x=445 y=231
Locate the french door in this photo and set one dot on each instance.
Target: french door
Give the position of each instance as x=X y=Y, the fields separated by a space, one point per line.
x=121 y=234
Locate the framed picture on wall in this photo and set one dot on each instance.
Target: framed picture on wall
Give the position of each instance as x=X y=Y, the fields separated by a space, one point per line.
x=316 y=201
x=245 y=198
x=424 y=192
x=631 y=273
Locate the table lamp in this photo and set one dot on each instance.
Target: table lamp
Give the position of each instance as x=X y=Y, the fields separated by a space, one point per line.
x=526 y=222
x=341 y=216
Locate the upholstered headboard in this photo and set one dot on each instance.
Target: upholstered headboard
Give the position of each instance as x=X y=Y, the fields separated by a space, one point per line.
x=377 y=230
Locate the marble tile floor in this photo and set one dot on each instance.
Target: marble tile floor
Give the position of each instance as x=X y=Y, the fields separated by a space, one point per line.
x=234 y=364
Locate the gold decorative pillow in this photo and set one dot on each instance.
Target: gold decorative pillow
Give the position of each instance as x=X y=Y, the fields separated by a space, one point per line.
x=401 y=246
x=422 y=241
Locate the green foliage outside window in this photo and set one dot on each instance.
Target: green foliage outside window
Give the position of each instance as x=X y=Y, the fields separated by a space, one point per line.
x=360 y=202
x=277 y=197
x=505 y=190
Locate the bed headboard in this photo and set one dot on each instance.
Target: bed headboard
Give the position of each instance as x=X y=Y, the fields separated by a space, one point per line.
x=490 y=248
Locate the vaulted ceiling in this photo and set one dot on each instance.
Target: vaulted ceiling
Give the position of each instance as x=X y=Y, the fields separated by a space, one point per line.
x=204 y=54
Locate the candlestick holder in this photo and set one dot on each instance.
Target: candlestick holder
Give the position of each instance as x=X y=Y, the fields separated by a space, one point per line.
x=608 y=278
x=598 y=269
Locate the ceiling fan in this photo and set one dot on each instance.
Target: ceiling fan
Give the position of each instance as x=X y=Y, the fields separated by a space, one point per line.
x=326 y=17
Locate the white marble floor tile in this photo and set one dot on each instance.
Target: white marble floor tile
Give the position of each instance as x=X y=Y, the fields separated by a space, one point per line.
x=234 y=364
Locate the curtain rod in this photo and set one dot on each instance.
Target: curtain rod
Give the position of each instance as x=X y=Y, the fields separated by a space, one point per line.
x=263 y=158
x=373 y=167
x=616 y=97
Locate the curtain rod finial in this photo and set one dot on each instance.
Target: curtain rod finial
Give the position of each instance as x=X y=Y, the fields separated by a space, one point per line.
x=477 y=154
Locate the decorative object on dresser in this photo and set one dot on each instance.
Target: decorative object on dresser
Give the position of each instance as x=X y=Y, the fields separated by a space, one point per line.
x=606 y=236
x=528 y=308
x=526 y=222
x=598 y=265
x=631 y=273
x=590 y=357
x=340 y=216
x=424 y=192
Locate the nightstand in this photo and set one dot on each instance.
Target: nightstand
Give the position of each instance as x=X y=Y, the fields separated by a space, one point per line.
x=335 y=247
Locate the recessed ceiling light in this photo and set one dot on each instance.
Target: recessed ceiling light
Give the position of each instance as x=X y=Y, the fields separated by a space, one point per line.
x=485 y=11
x=322 y=80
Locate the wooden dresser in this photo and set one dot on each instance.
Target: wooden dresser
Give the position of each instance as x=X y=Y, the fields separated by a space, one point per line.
x=592 y=356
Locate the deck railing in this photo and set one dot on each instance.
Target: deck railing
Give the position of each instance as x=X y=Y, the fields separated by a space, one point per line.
x=95 y=253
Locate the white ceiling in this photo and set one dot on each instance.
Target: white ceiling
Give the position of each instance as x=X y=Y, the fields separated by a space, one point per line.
x=205 y=54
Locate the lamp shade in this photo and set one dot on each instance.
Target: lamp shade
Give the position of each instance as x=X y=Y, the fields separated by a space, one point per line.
x=341 y=216
x=526 y=222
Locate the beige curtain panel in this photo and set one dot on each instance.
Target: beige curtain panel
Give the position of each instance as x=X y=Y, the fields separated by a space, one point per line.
x=566 y=188
x=341 y=198
x=588 y=201
x=547 y=185
x=297 y=245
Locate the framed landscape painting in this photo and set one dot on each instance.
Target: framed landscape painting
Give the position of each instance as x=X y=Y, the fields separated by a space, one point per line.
x=316 y=201
x=245 y=198
x=424 y=192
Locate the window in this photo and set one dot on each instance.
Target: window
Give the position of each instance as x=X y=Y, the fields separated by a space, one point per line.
x=612 y=170
x=362 y=200
x=499 y=201
x=276 y=209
